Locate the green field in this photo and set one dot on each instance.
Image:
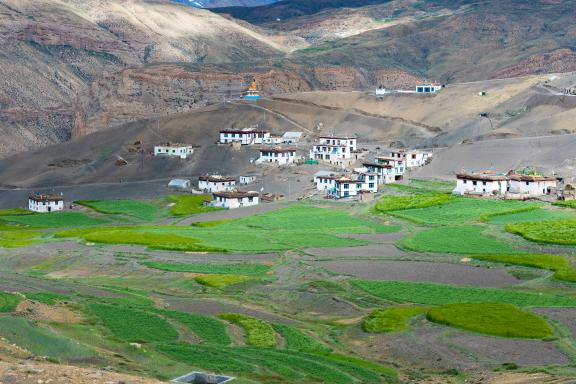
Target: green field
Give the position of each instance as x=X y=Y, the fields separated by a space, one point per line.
x=135 y=208
x=211 y=330
x=393 y=319
x=42 y=342
x=440 y=294
x=134 y=325
x=12 y=237
x=465 y=239
x=464 y=210
x=258 y=332
x=222 y=281
x=567 y=204
x=279 y=365
x=297 y=340
x=559 y=264
x=46 y=298
x=553 y=232
x=14 y=212
x=493 y=319
x=54 y=220
x=8 y=302
x=541 y=214
x=219 y=269
x=186 y=205
x=388 y=204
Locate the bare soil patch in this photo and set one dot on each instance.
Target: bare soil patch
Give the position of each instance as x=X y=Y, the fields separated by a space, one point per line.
x=58 y=313
x=565 y=316
x=213 y=307
x=421 y=271
x=34 y=373
x=387 y=250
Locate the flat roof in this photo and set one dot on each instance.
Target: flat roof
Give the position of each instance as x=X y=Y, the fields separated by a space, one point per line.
x=376 y=165
x=45 y=197
x=277 y=150
x=482 y=176
x=338 y=137
x=216 y=178
x=534 y=178
x=174 y=145
x=235 y=194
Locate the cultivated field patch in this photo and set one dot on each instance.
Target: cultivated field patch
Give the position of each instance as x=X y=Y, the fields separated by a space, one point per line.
x=393 y=319
x=222 y=281
x=392 y=203
x=9 y=302
x=209 y=329
x=493 y=319
x=219 y=269
x=135 y=208
x=559 y=264
x=465 y=239
x=258 y=332
x=54 y=220
x=186 y=205
x=439 y=294
x=297 y=340
x=540 y=214
x=553 y=232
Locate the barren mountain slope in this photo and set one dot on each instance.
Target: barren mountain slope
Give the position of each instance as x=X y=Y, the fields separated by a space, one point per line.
x=51 y=50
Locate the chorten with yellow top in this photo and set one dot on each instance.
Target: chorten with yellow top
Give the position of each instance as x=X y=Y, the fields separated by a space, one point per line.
x=252 y=92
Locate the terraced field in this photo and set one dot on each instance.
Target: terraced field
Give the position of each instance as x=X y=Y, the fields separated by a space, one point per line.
x=314 y=292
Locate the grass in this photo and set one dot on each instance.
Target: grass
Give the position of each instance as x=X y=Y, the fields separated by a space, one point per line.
x=258 y=332
x=46 y=297
x=295 y=227
x=278 y=365
x=566 y=203
x=9 y=302
x=139 y=236
x=134 y=208
x=12 y=237
x=559 y=264
x=222 y=281
x=14 y=212
x=441 y=294
x=54 y=220
x=186 y=205
x=394 y=319
x=531 y=215
x=496 y=319
x=551 y=232
x=209 y=329
x=134 y=325
x=465 y=239
x=42 y=342
x=397 y=203
x=464 y=210
x=220 y=269
x=297 y=340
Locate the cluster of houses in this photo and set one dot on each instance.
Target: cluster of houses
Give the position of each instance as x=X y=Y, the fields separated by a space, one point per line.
x=512 y=185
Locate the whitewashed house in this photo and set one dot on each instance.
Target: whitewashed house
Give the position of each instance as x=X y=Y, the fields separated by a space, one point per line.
x=292 y=137
x=234 y=199
x=482 y=183
x=334 y=150
x=277 y=156
x=246 y=179
x=216 y=183
x=244 y=136
x=530 y=185
x=174 y=150
x=398 y=165
x=415 y=159
x=342 y=186
x=41 y=203
x=385 y=172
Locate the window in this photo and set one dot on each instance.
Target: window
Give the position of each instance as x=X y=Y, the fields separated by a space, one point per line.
x=346 y=194
x=346 y=186
x=483 y=183
x=371 y=185
x=465 y=181
x=527 y=183
x=474 y=183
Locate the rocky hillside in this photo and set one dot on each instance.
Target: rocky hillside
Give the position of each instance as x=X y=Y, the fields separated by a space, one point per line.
x=53 y=51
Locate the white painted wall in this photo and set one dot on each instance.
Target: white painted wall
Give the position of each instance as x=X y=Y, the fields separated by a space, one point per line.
x=181 y=152
x=45 y=206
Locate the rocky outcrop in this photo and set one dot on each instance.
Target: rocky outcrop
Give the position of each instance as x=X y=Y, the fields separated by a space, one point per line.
x=560 y=60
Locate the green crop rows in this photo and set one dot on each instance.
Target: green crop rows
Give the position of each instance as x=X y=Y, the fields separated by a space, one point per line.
x=8 y=302
x=297 y=340
x=393 y=319
x=553 y=232
x=258 y=332
x=221 y=269
x=135 y=208
x=440 y=294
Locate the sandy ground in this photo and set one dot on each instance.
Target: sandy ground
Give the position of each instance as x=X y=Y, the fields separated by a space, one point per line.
x=42 y=373
x=421 y=272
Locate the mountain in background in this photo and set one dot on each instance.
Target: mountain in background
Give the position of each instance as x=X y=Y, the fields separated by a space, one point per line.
x=224 y=3
x=72 y=67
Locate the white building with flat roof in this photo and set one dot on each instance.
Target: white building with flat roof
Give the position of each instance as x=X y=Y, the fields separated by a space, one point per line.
x=277 y=156
x=530 y=185
x=234 y=199
x=481 y=183
x=182 y=151
x=345 y=185
x=43 y=203
x=244 y=136
x=333 y=149
x=216 y=183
